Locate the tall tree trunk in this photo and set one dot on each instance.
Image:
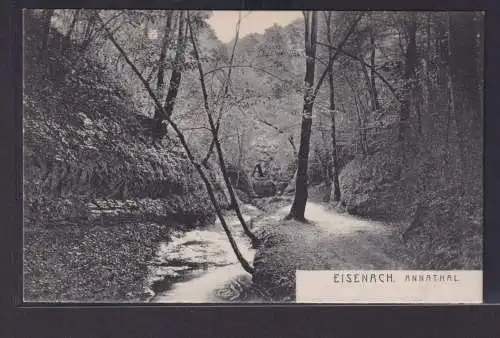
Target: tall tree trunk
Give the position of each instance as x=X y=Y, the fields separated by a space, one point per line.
x=240 y=158
x=370 y=78
x=334 y=160
x=175 y=78
x=368 y=82
x=175 y=81
x=46 y=22
x=449 y=114
x=88 y=33
x=160 y=82
x=298 y=208
x=417 y=95
x=465 y=85
x=335 y=173
x=292 y=144
x=430 y=106
x=73 y=24
x=410 y=63
x=478 y=117
x=361 y=126
x=372 y=68
x=244 y=263
x=441 y=100
x=213 y=129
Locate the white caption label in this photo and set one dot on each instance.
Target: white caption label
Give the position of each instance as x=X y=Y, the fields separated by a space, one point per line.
x=389 y=286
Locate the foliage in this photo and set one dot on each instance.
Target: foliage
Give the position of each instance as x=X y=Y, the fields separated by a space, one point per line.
x=84 y=141
x=90 y=264
x=406 y=90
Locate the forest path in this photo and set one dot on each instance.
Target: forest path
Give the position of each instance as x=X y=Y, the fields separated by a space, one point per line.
x=333 y=240
x=208 y=271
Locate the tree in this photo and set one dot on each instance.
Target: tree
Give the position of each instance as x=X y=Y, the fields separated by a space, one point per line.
x=176 y=75
x=299 y=204
x=244 y=263
x=160 y=128
x=298 y=208
x=224 y=92
x=73 y=24
x=465 y=86
x=335 y=170
x=376 y=104
x=160 y=83
x=47 y=19
x=409 y=75
x=214 y=130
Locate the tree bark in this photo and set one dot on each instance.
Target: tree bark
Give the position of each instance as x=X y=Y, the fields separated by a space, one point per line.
x=160 y=129
x=47 y=17
x=410 y=63
x=372 y=68
x=465 y=85
x=176 y=76
x=368 y=82
x=430 y=105
x=298 y=208
x=88 y=33
x=335 y=173
x=241 y=169
x=73 y=24
x=160 y=83
x=361 y=127
x=334 y=161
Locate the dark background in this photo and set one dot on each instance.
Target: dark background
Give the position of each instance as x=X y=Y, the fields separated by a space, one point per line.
x=17 y=320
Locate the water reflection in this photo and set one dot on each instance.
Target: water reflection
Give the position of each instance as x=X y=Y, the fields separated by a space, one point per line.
x=200 y=266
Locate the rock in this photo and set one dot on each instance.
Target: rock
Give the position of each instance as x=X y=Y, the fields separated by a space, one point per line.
x=371 y=186
x=264 y=188
x=81 y=144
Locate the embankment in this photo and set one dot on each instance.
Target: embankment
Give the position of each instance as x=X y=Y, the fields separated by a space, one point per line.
x=441 y=223
x=97 y=196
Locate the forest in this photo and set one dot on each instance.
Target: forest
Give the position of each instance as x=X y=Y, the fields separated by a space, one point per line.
x=342 y=140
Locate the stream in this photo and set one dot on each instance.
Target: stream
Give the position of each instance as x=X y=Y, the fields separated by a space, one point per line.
x=199 y=266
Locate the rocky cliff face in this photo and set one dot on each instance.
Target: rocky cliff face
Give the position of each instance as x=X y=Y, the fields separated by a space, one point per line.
x=372 y=185
x=84 y=144
x=440 y=224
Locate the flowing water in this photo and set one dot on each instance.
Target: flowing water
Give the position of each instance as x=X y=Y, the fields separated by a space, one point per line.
x=200 y=266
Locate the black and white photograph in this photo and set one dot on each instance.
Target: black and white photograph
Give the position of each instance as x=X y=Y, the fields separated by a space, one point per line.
x=214 y=156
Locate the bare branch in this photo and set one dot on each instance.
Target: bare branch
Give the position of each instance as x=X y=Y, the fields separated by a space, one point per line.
x=196 y=128
x=226 y=89
x=332 y=59
x=222 y=165
x=384 y=80
x=270 y=125
x=188 y=152
x=251 y=67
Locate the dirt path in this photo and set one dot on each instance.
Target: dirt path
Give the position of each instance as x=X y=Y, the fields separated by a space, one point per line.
x=346 y=240
x=331 y=241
